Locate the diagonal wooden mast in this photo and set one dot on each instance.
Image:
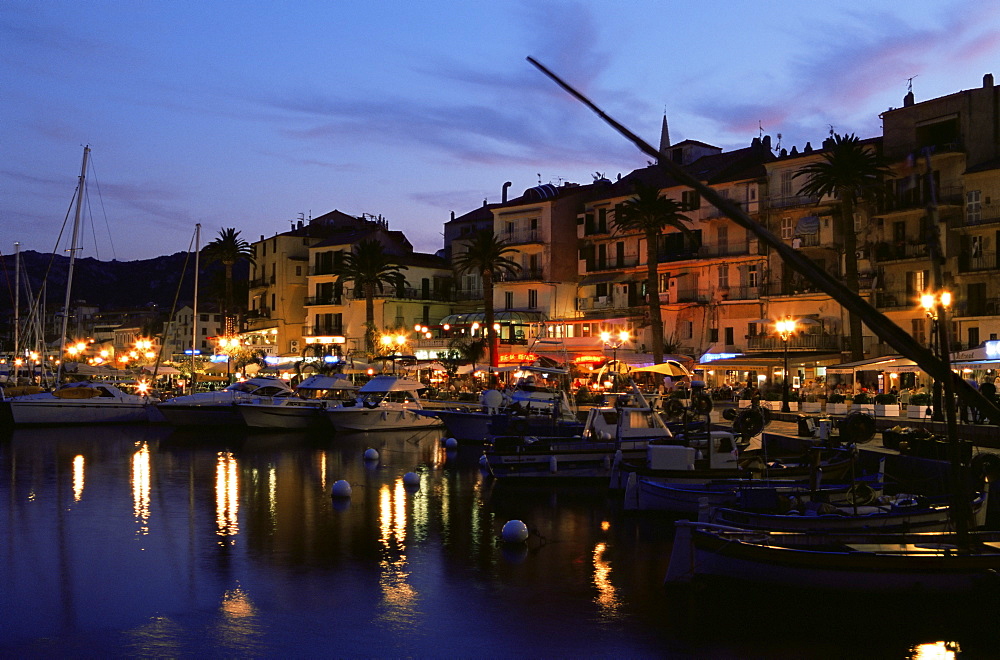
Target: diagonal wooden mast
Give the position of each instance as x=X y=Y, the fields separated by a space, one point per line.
x=892 y=334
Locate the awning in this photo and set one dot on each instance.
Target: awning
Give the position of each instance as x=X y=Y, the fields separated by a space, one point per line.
x=871 y=364
x=901 y=366
x=601 y=278
x=762 y=363
x=807 y=225
x=505 y=316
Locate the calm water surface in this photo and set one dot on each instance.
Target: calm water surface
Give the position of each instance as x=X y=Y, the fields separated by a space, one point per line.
x=146 y=541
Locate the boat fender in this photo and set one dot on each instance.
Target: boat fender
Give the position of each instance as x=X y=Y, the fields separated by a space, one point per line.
x=858 y=427
x=986 y=466
x=749 y=422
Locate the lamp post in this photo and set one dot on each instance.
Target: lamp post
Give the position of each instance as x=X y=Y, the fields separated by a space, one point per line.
x=785 y=329
x=935 y=307
x=614 y=342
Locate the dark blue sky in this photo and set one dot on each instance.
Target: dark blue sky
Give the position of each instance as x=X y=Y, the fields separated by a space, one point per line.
x=248 y=114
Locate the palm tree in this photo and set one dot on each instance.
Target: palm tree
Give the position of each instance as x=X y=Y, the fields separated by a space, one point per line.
x=370 y=269
x=852 y=172
x=650 y=213
x=228 y=248
x=485 y=255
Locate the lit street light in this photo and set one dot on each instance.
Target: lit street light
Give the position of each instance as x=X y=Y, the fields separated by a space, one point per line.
x=614 y=342
x=936 y=308
x=785 y=329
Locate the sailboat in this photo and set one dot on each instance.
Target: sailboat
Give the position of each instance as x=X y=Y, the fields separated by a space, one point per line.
x=74 y=403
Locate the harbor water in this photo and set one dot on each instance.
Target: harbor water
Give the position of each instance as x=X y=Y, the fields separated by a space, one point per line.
x=148 y=541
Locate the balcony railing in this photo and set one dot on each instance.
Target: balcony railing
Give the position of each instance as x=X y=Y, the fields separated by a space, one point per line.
x=908 y=249
x=322 y=330
x=800 y=342
x=796 y=288
x=724 y=250
x=523 y=275
x=896 y=299
x=739 y=292
x=978 y=307
x=613 y=263
x=522 y=236
x=324 y=300
x=969 y=263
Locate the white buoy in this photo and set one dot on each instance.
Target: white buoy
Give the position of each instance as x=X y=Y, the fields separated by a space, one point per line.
x=514 y=531
x=341 y=489
x=411 y=479
x=450 y=443
x=371 y=454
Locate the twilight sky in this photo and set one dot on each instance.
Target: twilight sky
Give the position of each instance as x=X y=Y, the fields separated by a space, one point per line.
x=251 y=114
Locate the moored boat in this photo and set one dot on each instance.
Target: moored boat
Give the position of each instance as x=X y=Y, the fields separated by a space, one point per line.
x=218 y=408
x=76 y=403
x=384 y=403
x=302 y=410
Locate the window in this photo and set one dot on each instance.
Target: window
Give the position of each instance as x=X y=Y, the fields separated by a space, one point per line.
x=785 y=189
x=687 y=329
x=691 y=200
x=973 y=337
x=752 y=275
x=787 y=228
x=973 y=207
x=917 y=330
x=723 y=276
x=713 y=334
x=729 y=337
x=298 y=271
x=204 y=317
x=508 y=299
x=532 y=298
x=722 y=237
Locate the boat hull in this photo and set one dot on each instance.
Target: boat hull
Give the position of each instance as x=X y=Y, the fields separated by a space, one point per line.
x=285 y=416
x=379 y=419
x=220 y=414
x=68 y=411
x=860 y=562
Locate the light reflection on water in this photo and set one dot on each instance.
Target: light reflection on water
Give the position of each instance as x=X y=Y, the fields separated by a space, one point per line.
x=144 y=541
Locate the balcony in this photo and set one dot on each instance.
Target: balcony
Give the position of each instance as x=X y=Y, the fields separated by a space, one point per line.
x=906 y=249
x=988 y=215
x=724 y=250
x=978 y=307
x=522 y=237
x=896 y=299
x=612 y=263
x=800 y=342
x=262 y=282
x=523 y=275
x=262 y=313
x=981 y=261
x=679 y=295
x=324 y=300
x=740 y=293
x=322 y=330
x=777 y=202
x=950 y=194
x=794 y=288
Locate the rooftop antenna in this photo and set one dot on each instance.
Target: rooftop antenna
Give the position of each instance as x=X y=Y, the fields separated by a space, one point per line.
x=539 y=174
x=909 y=83
x=777 y=146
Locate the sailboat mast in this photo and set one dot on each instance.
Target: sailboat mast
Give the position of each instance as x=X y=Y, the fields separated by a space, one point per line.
x=17 y=308
x=194 y=312
x=72 y=260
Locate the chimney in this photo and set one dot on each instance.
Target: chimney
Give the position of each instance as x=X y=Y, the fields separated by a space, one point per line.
x=988 y=81
x=300 y=224
x=452 y=215
x=767 y=142
x=908 y=99
x=503 y=194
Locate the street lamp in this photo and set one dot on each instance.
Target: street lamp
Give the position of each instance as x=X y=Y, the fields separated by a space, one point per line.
x=785 y=329
x=935 y=307
x=614 y=342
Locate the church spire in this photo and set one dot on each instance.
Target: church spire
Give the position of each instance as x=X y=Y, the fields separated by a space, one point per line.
x=664 y=134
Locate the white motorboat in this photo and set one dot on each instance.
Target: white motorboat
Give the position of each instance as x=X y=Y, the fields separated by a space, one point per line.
x=76 y=403
x=304 y=410
x=219 y=407
x=385 y=402
x=524 y=409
